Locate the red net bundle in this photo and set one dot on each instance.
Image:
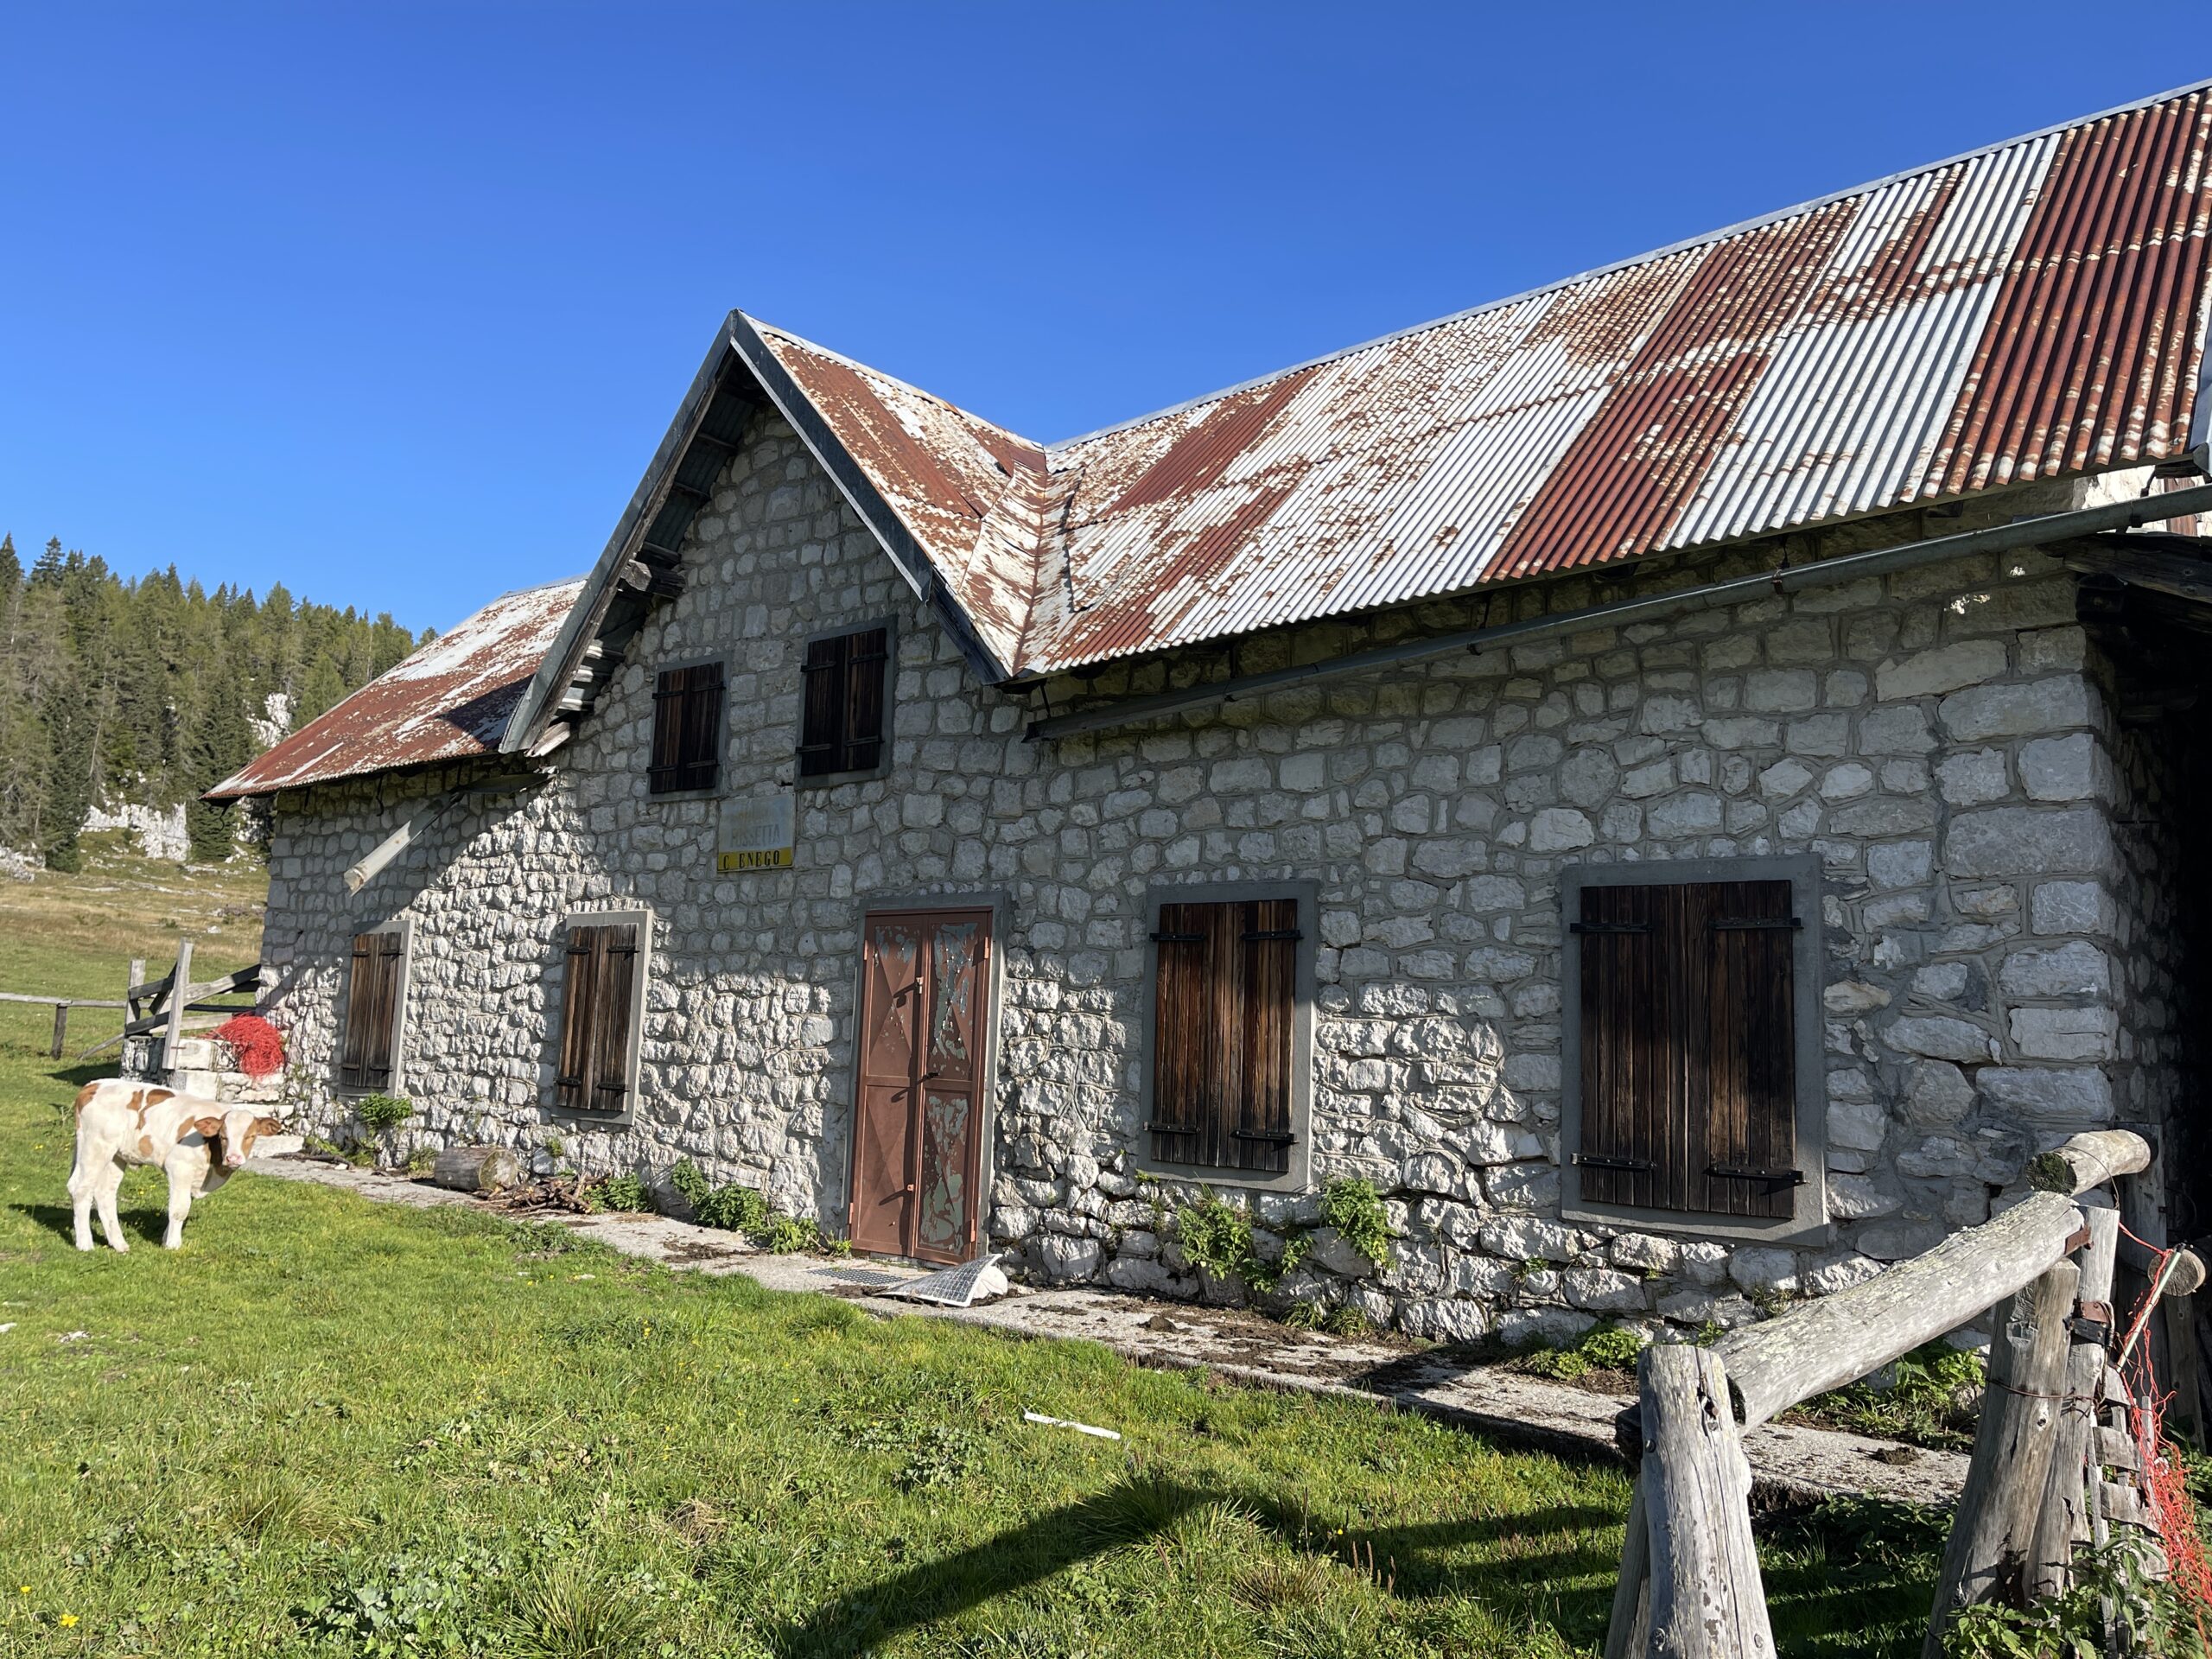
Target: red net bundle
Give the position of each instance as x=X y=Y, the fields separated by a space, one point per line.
x=259 y=1045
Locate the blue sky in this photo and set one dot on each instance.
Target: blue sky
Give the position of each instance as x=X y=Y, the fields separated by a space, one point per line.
x=391 y=301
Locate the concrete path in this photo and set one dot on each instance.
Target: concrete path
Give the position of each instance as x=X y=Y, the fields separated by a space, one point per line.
x=1789 y=1462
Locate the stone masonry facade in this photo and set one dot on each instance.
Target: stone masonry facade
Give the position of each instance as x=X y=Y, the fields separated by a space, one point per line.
x=1943 y=742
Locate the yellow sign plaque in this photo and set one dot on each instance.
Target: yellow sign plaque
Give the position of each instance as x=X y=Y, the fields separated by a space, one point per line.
x=758 y=833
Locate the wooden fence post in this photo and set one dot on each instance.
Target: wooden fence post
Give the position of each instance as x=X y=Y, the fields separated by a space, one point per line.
x=2069 y=1489
x=1708 y=1600
x=2011 y=1448
x=165 y=1065
x=60 y=1029
x=1628 y=1633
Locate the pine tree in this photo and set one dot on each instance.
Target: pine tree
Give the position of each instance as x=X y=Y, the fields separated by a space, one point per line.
x=146 y=690
x=221 y=742
x=69 y=726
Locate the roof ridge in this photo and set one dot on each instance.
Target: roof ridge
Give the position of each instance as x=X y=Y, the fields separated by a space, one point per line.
x=859 y=367
x=1055 y=451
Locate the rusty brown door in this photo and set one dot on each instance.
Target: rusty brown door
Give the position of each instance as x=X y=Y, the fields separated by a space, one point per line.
x=918 y=1126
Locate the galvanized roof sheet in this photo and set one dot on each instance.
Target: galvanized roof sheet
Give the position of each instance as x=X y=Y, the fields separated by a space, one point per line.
x=450 y=701
x=2034 y=309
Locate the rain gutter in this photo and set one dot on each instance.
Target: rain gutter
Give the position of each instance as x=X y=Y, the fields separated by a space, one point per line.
x=1848 y=567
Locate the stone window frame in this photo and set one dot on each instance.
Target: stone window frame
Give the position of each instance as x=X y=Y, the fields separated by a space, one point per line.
x=889 y=623
x=1298 y=1177
x=722 y=731
x=404 y=926
x=641 y=918
x=1808 y=1223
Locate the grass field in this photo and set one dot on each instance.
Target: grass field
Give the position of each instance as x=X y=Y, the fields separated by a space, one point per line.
x=324 y=1427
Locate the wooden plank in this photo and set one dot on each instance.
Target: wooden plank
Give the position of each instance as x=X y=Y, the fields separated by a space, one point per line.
x=73 y=1002
x=1628 y=1632
x=1708 y=1601
x=2184 y=1361
x=1840 y=1338
x=1995 y=1523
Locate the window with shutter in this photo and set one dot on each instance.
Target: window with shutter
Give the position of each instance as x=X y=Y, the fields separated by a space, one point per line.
x=368 y=1052
x=602 y=986
x=845 y=702
x=1230 y=1056
x=1690 y=1003
x=687 y=729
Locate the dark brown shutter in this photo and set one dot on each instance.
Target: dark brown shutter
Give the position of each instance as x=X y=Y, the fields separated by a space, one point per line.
x=367 y=1053
x=1268 y=992
x=822 y=719
x=1751 y=1129
x=1225 y=995
x=842 y=703
x=598 y=986
x=1688 y=1048
x=864 y=655
x=687 y=729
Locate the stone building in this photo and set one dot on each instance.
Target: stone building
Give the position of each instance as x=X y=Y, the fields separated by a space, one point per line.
x=1679 y=780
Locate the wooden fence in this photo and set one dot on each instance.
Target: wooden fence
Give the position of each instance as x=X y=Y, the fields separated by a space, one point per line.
x=2054 y=1463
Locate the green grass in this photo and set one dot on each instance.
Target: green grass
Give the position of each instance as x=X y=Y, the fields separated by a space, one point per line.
x=329 y=1427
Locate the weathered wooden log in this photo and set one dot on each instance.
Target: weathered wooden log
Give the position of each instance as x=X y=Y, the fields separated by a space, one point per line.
x=1628 y=1632
x=476 y=1169
x=2068 y=1489
x=2088 y=1160
x=1995 y=1523
x=2184 y=1274
x=2184 y=1368
x=1824 y=1344
x=1708 y=1600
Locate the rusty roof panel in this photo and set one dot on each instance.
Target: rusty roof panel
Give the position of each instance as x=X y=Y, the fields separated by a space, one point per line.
x=448 y=702
x=2035 y=309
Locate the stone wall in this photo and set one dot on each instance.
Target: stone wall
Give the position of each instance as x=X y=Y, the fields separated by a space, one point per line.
x=1937 y=739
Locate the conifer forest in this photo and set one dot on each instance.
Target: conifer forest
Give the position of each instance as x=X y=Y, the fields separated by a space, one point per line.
x=115 y=690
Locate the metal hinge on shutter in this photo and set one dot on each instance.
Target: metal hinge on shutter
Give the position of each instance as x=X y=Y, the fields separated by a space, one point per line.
x=1741 y=1173
x=1172 y=1129
x=1258 y=934
x=1600 y=1160
x=1178 y=938
x=1609 y=927
x=1271 y=1137
x=1750 y=923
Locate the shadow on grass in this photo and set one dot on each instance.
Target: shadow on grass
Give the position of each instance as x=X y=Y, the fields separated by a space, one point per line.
x=142 y=1226
x=1141 y=1508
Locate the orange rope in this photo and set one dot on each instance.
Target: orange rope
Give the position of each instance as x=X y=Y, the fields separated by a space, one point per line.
x=2164 y=1483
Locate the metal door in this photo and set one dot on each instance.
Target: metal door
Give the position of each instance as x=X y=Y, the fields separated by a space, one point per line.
x=917 y=1123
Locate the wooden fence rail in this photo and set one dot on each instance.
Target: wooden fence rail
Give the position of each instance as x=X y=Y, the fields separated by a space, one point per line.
x=1689 y=1586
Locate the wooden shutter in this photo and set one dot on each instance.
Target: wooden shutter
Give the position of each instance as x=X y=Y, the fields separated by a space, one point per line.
x=368 y=1052
x=597 y=989
x=842 y=703
x=687 y=729
x=1689 y=1053
x=865 y=656
x=1225 y=998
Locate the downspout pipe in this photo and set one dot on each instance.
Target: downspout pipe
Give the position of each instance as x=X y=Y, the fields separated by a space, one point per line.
x=1848 y=567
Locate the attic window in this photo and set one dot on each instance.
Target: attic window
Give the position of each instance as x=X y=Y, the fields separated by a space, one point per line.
x=687 y=729
x=845 y=703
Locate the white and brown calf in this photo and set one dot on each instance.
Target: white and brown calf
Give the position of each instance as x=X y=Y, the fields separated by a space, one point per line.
x=120 y=1123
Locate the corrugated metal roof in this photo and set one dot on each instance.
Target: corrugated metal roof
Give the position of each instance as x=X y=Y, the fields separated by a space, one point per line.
x=2034 y=310
x=450 y=701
